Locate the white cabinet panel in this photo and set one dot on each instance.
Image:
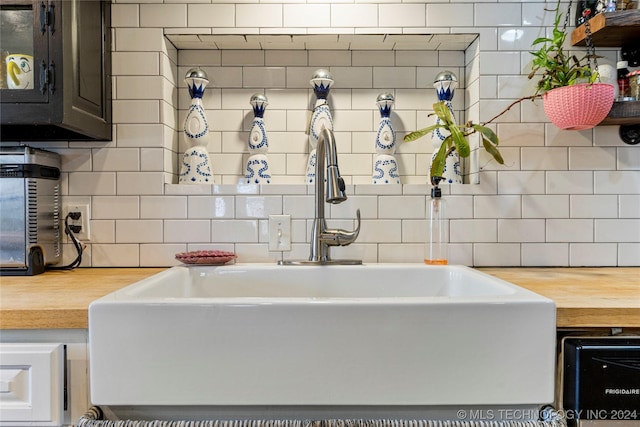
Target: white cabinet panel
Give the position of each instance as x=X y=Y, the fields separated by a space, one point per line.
x=31 y=384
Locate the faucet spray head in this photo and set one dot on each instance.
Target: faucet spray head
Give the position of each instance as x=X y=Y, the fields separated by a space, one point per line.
x=335 y=186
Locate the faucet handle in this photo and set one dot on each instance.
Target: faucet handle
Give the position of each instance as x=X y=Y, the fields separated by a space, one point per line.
x=340 y=237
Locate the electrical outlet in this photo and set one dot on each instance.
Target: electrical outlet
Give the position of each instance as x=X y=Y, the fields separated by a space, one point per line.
x=280 y=233
x=79 y=221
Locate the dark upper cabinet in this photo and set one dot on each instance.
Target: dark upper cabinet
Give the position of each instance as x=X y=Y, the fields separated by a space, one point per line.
x=55 y=70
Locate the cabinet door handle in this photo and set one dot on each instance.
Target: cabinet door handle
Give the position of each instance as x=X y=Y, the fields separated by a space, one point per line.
x=52 y=77
x=52 y=18
x=44 y=77
x=43 y=17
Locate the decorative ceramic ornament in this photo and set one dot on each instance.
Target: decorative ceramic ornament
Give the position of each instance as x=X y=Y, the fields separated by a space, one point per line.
x=196 y=166
x=445 y=84
x=320 y=118
x=385 y=166
x=257 y=168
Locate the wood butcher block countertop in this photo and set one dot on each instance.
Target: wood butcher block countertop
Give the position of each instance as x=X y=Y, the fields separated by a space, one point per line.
x=585 y=297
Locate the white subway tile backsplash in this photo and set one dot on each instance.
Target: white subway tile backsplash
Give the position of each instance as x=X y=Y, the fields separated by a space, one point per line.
x=461 y=254
x=564 y=182
x=139 y=87
x=138 y=231
x=593 y=254
x=352 y=77
x=286 y=58
x=561 y=138
x=102 y=231
x=388 y=78
x=497 y=254
x=356 y=120
x=497 y=14
x=203 y=207
x=569 y=230
x=125 y=15
x=258 y=206
x=155 y=159
x=628 y=254
x=594 y=206
x=380 y=231
x=616 y=182
x=521 y=182
x=115 y=207
x=545 y=254
x=563 y=198
x=259 y=15
x=406 y=207
x=447 y=15
x=210 y=15
x=629 y=206
x=187 y=231
x=163 y=15
x=545 y=206
x=138 y=40
x=538 y=158
x=395 y=252
x=592 y=158
x=116 y=159
x=628 y=158
x=499 y=63
x=77 y=160
x=160 y=255
x=503 y=206
x=520 y=134
x=264 y=77
x=92 y=183
x=232 y=231
x=354 y=15
x=473 y=230
x=141 y=183
x=617 y=230
x=299 y=206
x=306 y=15
x=521 y=230
x=115 y=255
x=136 y=111
x=169 y=207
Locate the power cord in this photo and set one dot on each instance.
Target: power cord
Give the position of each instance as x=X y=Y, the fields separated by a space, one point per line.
x=69 y=231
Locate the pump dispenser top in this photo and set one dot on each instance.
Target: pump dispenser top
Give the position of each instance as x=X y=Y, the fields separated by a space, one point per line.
x=436 y=243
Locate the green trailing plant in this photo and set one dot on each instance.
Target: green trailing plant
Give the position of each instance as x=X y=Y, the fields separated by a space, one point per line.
x=559 y=68
x=457 y=138
x=555 y=67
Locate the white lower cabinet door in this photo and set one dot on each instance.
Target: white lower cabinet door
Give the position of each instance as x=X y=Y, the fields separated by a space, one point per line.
x=31 y=384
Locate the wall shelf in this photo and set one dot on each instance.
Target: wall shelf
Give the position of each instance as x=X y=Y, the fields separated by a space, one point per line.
x=610 y=29
x=623 y=113
x=614 y=29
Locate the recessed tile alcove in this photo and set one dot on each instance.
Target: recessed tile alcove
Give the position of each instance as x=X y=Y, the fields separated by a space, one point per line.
x=363 y=66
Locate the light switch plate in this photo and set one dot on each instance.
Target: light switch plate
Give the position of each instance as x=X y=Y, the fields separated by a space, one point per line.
x=280 y=233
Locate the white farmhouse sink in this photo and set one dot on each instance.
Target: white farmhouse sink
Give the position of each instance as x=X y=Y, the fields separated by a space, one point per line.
x=378 y=334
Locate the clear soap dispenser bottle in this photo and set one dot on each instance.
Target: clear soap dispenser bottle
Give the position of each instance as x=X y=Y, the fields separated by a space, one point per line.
x=435 y=251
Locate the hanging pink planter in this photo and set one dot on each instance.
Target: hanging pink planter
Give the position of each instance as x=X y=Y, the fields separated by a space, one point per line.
x=580 y=106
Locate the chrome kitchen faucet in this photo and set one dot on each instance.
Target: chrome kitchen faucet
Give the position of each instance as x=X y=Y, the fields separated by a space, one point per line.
x=322 y=238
